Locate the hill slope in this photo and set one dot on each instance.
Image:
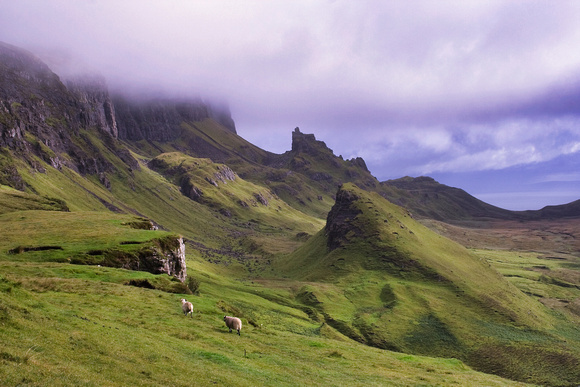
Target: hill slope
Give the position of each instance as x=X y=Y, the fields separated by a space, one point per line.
x=381 y=278
x=54 y=316
x=87 y=164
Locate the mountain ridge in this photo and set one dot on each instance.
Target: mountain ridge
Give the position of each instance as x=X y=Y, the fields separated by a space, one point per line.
x=154 y=126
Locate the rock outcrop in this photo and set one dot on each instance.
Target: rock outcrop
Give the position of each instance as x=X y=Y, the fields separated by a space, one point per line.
x=167 y=257
x=307 y=143
x=161 y=256
x=339 y=222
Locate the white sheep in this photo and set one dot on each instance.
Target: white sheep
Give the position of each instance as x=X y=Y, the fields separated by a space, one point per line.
x=187 y=307
x=233 y=323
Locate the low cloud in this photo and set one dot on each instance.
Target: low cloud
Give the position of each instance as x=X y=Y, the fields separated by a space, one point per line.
x=413 y=87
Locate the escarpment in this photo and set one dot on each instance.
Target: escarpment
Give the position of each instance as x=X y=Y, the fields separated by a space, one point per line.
x=41 y=118
x=95 y=108
x=158 y=119
x=44 y=117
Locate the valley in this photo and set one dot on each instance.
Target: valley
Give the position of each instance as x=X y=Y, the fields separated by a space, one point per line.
x=112 y=210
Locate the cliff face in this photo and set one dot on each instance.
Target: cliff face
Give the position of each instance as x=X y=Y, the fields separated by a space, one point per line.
x=32 y=100
x=163 y=258
x=40 y=117
x=96 y=108
x=160 y=119
x=159 y=256
x=339 y=222
x=43 y=117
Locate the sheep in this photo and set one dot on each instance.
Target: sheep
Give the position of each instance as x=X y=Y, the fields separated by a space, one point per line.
x=187 y=307
x=233 y=323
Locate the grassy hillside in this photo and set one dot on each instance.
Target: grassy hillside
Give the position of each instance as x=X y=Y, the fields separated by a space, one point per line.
x=393 y=283
x=367 y=298
x=426 y=198
x=54 y=317
x=382 y=287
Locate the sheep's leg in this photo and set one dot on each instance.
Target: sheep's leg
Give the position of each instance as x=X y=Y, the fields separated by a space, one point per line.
x=239 y=332
x=230 y=330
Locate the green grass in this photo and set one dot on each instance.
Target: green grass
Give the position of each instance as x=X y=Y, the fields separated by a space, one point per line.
x=551 y=281
x=54 y=315
x=53 y=330
x=307 y=312
x=14 y=200
x=57 y=236
x=444 y=300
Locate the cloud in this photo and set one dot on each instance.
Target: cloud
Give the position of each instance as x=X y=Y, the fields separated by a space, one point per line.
x=560 y=177
x=413 y=87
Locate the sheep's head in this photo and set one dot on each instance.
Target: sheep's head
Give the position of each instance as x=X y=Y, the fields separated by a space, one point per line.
x=225 y=318
x=183 y=301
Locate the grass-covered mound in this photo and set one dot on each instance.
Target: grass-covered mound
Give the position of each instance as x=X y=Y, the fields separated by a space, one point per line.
x=380 y=277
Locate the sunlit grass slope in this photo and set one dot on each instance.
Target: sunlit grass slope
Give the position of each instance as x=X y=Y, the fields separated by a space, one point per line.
x=66 y=324
x=77 y=325
x=380 y=277
x=59 y=236
x=14 y=200
x=220 y=188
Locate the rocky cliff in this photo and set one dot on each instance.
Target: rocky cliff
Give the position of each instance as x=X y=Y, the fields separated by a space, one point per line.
x=340 y=220
x=44 y=117
x=157 y=119
x=41 y=118
x=159 y=256
x=96 y=108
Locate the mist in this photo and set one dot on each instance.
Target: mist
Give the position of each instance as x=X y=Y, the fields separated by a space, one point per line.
x=461 y=91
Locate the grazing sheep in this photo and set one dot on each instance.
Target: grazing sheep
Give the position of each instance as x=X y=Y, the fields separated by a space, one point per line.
x=233 y=323
x=187 y=307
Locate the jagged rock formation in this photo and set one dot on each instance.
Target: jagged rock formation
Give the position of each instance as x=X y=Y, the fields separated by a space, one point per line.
x=339 y=221
x=314 y=159
x=40 y=117
x=307 y=143
x=45 y=122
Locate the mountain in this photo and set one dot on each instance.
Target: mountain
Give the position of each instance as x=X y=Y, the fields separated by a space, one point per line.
x=381 y=278
x=319 y=259
x=426 y=198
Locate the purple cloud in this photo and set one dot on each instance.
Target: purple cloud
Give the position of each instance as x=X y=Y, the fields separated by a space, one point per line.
x=413 y=87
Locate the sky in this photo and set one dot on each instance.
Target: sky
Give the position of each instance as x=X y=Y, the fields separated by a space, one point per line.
x=480 y=95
